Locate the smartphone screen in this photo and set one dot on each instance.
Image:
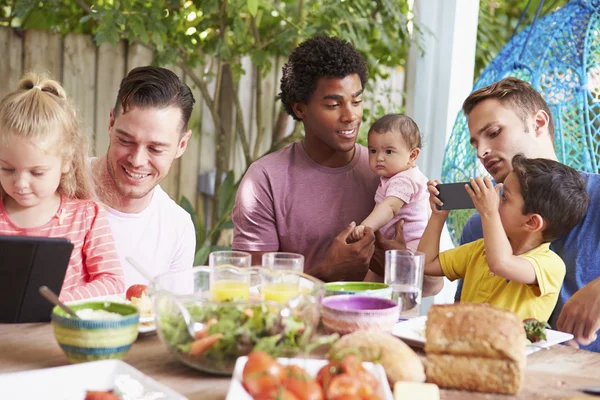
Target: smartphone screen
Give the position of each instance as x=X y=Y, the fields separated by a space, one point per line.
x=454 y=196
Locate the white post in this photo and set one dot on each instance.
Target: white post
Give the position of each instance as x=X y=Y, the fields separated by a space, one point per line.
x=437 y=83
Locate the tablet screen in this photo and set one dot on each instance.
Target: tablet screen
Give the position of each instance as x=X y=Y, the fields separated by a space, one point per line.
x=26 y=263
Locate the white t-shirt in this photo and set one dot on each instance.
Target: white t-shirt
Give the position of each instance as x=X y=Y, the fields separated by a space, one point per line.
x=161 y=238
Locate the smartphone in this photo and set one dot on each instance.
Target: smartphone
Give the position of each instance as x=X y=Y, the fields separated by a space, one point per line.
x=454 y=196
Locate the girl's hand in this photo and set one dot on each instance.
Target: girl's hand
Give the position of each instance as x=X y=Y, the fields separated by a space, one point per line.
x=434 y=201
x=486 y=197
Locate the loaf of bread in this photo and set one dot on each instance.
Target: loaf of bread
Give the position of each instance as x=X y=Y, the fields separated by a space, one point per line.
x=400 y=362
x=475 y=347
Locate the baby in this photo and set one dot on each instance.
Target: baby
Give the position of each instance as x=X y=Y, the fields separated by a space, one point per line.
x=394 y=146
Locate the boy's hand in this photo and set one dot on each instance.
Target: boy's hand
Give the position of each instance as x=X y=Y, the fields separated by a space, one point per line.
x=356 y=234
x=434 y=201
x=486 y=197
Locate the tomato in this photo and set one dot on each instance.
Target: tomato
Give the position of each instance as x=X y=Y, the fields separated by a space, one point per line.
x=326 y=374
x=347 y=397
x=351 y=365
x=262 y=373
x=345 y=384
x=301 y=384
x=98 y=395
x=135 y=291
x=276 y=394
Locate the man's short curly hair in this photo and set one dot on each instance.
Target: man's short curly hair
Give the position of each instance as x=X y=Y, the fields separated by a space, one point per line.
x=317 y=57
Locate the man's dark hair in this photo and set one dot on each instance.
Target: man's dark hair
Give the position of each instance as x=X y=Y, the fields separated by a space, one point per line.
x=150 y=86
x=318 y=57
x=400 y=124
x=515 y=94
x=554 y=191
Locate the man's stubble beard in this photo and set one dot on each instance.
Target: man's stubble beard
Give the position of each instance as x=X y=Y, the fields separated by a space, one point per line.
x=119 y=189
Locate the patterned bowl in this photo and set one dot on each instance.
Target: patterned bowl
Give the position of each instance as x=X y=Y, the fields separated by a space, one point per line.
x=88 y=339
x=348 y=313
x=370 y=289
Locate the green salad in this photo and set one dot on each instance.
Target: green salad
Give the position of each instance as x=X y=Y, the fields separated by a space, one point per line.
x=233 y=330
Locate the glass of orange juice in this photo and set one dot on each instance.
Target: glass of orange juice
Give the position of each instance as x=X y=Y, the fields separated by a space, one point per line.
x=284 y=285
x=229 y=283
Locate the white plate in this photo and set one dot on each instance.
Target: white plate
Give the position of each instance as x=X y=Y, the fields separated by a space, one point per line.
x=71 y=382
x=312 y=366
x=116 y=298
x=412 y=331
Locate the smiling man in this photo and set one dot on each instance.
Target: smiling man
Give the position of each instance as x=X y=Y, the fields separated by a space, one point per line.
x=300 y=198
x=308 y=197
x=148 y=131
x=510 y=117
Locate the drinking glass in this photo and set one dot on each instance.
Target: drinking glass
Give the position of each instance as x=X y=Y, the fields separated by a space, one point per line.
x=284 y=285
x=239 y=259
x=278 y=261
x=404 y=274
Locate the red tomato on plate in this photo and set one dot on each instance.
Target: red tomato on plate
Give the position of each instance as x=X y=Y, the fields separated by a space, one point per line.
x=262 y=374
x=135 y=291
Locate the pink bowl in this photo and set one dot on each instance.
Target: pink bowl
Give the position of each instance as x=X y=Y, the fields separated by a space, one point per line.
x=348 y=313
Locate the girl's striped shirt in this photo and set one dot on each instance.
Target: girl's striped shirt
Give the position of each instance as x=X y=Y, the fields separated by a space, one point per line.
x=94 y=268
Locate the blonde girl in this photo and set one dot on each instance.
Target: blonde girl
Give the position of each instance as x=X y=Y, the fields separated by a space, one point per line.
x=45 y=189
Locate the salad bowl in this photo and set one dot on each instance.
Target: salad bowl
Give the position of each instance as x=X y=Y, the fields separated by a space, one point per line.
x=209 y=316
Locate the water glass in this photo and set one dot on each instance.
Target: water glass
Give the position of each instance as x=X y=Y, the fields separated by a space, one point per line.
x=239 y=259
x=278 y=261
x=404 y=274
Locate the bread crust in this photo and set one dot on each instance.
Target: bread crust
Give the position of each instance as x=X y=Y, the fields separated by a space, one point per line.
x=474 y=373
x=475 y=347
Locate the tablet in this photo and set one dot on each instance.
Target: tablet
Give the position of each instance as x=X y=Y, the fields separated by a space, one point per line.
x=26 y=263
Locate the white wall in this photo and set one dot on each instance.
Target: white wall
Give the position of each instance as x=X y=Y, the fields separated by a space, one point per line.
x=437 y=83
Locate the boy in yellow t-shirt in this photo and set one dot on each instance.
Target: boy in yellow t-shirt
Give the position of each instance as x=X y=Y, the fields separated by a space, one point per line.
x=513 y=266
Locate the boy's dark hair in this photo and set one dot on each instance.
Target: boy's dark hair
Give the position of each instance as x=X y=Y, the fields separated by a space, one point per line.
x=515 y=94
x=554 y=191
x=318 y=57
x=399 y=123
x=155 y=87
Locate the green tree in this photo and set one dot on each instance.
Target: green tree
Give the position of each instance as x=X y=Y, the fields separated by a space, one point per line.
x=194 y=33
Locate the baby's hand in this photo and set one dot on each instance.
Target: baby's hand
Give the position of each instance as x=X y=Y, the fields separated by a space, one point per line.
x=434 y=201
x=357 y=234
x=486 y=197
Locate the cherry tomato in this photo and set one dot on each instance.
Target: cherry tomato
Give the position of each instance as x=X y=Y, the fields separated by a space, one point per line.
x=99 y=395
x=276 y=394
x=351 y=365
x=135 y=291
x=262 y=373
x=345 y=384
x=347 y=397
x=301 y=384
x=326 y=374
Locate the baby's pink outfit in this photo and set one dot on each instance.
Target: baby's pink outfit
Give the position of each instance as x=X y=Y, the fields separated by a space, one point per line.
x=410 y=186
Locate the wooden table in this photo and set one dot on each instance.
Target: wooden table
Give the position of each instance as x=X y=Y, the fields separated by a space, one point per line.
x=556 y=373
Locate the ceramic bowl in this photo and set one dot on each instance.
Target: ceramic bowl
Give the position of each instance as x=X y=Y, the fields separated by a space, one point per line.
x=370 y=289
x=348 y=313
x=90 y=340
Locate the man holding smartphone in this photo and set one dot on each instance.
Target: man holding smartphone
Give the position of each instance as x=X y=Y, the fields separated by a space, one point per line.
x=510 y=117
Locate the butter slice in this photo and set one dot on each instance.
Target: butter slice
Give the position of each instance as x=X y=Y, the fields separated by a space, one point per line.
x=413 y=390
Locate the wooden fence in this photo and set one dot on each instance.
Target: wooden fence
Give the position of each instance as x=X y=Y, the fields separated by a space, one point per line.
x=91 y=76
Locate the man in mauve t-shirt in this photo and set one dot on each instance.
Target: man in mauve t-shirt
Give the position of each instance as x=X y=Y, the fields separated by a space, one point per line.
x=307 y=197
